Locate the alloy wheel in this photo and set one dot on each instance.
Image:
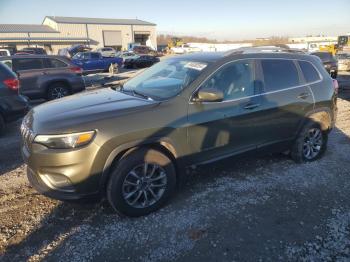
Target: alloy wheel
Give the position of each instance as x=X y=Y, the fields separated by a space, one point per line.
x=312 y=143
x=144 y=185
x=59 y=92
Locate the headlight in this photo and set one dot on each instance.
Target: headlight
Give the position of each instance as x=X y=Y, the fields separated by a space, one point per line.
x=65 y=141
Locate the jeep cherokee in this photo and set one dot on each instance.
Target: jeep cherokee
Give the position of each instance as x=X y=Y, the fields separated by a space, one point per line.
x=131 y=144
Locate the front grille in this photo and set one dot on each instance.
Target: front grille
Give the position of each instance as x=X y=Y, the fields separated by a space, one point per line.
x=27 y=135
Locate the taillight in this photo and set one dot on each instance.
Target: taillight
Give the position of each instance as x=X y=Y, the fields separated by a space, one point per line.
x=76 y=70
x=335 y=85
x=12 y=83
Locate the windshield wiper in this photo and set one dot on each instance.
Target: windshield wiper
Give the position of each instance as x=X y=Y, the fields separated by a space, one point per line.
x=137 y=93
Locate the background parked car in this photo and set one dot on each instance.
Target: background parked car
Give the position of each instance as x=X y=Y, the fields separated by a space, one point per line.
x=73 y=50
x=107 y=51
x=92 y=62
x=329 y=62
x=25 y=53
x=34 y=50
x=43 y=76
x=141 y=61
x=127 y=55
x=343 y=61
x=4 y=52
x=143 y=49
x=12 y=105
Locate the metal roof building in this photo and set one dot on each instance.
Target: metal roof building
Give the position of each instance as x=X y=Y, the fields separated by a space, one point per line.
x=57 y=32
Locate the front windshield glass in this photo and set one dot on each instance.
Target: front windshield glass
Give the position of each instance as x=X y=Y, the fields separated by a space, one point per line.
x=165 y=79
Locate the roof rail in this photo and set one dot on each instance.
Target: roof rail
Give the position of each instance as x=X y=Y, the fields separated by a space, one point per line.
x=262 y=49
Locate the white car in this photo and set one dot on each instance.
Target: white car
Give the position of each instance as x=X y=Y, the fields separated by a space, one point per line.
x=4 y=52
x=184 y=49
x=107 y=51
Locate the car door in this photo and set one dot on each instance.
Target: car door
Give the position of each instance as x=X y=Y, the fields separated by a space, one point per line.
x=96 y=62
x=222 y=128
x=55 y=68
x=29 y=70
x=284 y=101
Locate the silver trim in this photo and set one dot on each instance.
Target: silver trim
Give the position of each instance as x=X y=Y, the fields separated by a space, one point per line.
x=265 y=93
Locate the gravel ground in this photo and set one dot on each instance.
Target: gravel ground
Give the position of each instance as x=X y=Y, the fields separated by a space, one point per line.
x=247 y=208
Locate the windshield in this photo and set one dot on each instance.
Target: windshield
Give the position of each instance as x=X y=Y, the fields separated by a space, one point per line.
x=165 y=79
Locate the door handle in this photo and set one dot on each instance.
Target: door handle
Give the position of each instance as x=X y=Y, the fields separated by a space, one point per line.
x=303 y=95
x=251 y=106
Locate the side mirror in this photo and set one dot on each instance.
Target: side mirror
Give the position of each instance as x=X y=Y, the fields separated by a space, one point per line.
x=209 y=95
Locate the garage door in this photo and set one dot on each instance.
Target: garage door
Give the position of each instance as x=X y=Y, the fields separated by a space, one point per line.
x=112 y=38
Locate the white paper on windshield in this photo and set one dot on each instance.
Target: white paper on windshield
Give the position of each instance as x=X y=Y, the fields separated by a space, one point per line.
x=196 y=65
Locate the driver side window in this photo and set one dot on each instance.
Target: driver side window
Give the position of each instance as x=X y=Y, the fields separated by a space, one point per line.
x=235 y=80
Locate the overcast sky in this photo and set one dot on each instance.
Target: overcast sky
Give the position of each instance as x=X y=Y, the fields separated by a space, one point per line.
x=219 y=19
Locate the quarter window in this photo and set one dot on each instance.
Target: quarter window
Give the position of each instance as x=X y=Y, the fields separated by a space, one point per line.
x=279 y=74
x=235 y=80
x=309 y=71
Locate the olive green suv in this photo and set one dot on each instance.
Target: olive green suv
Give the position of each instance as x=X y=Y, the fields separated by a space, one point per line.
x=131 y=143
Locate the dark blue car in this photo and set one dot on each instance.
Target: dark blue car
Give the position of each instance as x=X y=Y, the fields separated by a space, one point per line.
x=92 y=62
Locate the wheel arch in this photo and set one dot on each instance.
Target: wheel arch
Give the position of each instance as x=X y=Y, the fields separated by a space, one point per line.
x=322 y=116
x=163 y=145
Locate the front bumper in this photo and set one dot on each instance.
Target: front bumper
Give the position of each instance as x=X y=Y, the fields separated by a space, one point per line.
x=44 y=189
x=64 y=174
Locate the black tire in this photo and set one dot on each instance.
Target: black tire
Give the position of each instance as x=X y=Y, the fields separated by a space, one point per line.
x=58 y=90
x=117 y=183
x=299 y=149
x=2 y=125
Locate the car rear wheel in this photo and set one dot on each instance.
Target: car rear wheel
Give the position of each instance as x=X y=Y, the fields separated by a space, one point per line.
x=141 y=183
x=310 y=144
x=58 y=90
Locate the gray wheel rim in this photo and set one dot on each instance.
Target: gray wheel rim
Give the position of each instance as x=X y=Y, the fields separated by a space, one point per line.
x=144 y=185
x=58 y=92
x=312 y=143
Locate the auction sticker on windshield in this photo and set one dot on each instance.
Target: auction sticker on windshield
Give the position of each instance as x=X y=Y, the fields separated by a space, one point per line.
x=196 y=65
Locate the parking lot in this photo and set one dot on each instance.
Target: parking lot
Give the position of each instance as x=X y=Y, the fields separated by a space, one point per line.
x=246 y=208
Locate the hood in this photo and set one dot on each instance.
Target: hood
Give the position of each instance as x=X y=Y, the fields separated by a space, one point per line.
x=70 y=113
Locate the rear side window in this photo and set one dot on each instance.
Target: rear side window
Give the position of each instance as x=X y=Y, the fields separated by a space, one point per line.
x=309 y=72
x=55 y=63
x=95 y=55
x=279 y=74
x=28 y=64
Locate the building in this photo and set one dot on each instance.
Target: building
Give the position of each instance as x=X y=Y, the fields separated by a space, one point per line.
x=58 y=32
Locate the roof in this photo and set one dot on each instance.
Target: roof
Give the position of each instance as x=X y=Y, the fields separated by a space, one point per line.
x=107 y=21
x=25 y=28
x=200 y=56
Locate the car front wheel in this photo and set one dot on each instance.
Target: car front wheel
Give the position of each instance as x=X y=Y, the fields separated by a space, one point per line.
x=310 y=144
x=142 y=182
